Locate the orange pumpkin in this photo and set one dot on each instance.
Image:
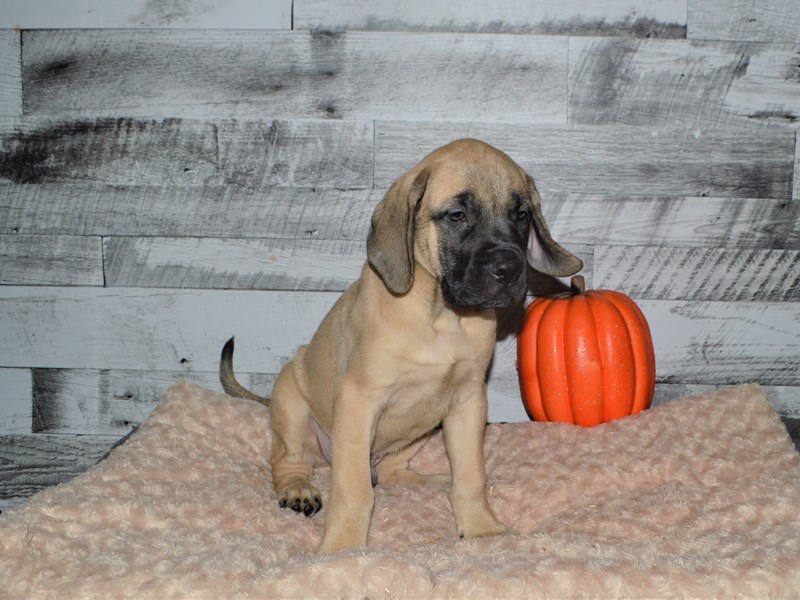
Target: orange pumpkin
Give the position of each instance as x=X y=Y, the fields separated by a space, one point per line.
x=585 y=357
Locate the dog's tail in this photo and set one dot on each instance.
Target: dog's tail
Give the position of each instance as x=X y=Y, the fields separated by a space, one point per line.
x=228 y=379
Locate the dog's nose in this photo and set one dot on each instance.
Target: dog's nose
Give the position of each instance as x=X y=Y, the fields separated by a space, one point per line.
x=504 y=265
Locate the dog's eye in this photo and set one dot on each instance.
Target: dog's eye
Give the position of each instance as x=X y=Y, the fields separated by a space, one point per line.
x=523 y=215
x=457 y=215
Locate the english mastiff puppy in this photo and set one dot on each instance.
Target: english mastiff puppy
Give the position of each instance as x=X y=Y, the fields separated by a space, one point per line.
x=407 y=346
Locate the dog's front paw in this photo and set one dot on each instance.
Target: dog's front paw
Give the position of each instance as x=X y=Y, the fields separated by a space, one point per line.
x=483 y=524
x=302 y=498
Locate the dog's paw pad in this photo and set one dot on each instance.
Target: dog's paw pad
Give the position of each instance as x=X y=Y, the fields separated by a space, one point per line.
x=306 y=501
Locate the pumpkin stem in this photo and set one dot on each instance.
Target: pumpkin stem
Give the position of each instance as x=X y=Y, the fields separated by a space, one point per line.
x=578 y=285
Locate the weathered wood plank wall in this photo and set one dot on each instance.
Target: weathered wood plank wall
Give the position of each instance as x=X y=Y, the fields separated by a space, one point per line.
x=173 y=173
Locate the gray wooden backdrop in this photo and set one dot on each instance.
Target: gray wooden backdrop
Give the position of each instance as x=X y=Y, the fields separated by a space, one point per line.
x=174 y=172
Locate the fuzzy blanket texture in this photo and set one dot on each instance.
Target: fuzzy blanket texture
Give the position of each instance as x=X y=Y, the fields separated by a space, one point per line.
x=696 y=498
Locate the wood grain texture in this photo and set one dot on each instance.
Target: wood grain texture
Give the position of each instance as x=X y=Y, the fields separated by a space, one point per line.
x=674 y=221
x=15 y=401
x=10 y=73
x=287 y=75
x=505 y=402
x=296 y=153
x=233 y=263
x=728 y=274
x=696 y=341
x=784 y=399
x=332 y=214
x=113 y=402
x=168 y=14
x=208 y=211
x=762 y=21
x=648 y=18
x=796 y=189
x=176 y=152
x=30 y=463
x=672 y=161
x=50 y=260
x=649 y=82
x=720 y=343
x=250 y=264
x=159 y=329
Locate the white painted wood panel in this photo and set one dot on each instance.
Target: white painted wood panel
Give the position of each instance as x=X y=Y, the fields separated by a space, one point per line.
x=50 y=260
x=10 y=73
x=506 y=406
x=712 y=342
x=233 y=263
x=669 y=161
x=112 y=402
x=168 y=14
x=15 y=401
x=647 y=82
x=176 y=152
x=159 y=329
x=728 y=274
x=30 y=463
x=140 y=329
x=208 y=211
x=297 y=153
x=762 y=21
x=674 y=221
x=784 y=399
x=273 y=74
x=796 y=188
x=333 y=214
x=250 y=264
x=621 y=17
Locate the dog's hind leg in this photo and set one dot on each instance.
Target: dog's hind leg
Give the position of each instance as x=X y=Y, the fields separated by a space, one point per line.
x=295 y=448
x=395 y=469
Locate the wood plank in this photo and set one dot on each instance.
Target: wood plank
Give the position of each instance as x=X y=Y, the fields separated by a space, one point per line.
x=333 y=214
x=167 y=152
x=207 y=211
x=118 y=14
x=15 y=401
x=179 y=152
x=233 y=263
x=725 y=162
x=763 y=21
x=299 y=74
x=296 y=153
x=506 y=406
x=31 y=463
x=726 y=274
x=784 y=399
x=796 y=186
x=50 y=260
x=246 y=264
x=674 y=221
x=650 y=82
x=112 y=402
x=720 y=343
x=183 y=330
x=648 y=18
x=10 y=73
x=159 y=329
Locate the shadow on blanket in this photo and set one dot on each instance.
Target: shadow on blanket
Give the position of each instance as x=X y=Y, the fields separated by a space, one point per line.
x=698 y=497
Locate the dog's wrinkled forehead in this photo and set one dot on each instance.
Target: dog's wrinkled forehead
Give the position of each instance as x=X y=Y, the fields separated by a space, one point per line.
x=476 y=168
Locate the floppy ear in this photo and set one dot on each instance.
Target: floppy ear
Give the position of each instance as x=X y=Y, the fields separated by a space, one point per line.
x=544 y=254
x=390 y=243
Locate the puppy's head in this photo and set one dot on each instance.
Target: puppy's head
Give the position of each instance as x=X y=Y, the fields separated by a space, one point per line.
x=472 y=218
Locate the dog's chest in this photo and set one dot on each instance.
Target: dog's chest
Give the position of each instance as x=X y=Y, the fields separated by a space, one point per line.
x=449 y=364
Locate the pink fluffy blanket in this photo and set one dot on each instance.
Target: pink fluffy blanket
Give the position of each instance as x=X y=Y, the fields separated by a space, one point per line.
x=699 y=497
